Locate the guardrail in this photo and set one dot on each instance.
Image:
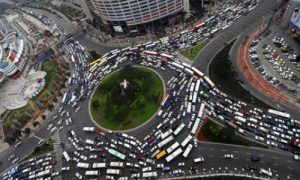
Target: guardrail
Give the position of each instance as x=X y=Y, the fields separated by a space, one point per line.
x=217 y=175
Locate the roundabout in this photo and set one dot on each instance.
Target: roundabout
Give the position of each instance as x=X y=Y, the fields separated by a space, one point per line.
x=126 y=98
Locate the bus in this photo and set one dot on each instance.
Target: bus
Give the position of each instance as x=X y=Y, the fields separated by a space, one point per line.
x=195 y=126
x=89 y=129
x=166 y=57
x=174 y=155
x=149 y=174
x=186 y=140
x=211 y=84
x=279 y=113
x=83 y=165
x=161 y=154
x=165 y=141
x=66 y=156
x=113 y=171
x=179 y=129
x=97 y=165
x=166 y=134
x=197 y=72
x=116 y=153
x=201 y=110
x=116 y=164
x=187 y=150
x=172 y=147
x=92 y=173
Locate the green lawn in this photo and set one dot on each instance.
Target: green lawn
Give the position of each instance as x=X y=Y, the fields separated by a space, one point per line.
x=17 y=118
x=52 y=79
x=69 y=11
x=212 y=132
x=116 y=111
x=192 y=52
x=43 y=149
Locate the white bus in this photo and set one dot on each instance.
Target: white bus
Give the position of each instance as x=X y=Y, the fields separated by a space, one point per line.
x=195 y=126
x=172 y=147
x=201 y=110
x=279 y=113
x=179 y=129
x=92 y=173
x=241 y=119
x=165 y=141
x=89 y=129
x=187 y=150
x=83 y=165
x=166 y=134
x=97 y=165
x=149 y=174
x=174 y=155
x=116 y=164
x=66 y=156
x=186 y=140
x=113 y=171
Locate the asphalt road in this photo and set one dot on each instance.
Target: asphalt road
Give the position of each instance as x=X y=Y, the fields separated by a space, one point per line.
x=206 y=55
x=213 y=153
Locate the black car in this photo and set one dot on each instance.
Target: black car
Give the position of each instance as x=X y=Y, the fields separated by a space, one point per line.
x=255 y=158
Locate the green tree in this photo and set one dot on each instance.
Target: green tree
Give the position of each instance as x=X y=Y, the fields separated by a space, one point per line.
x=27 y=131
x=95 y=104
x=35 y=123
x=226 y=133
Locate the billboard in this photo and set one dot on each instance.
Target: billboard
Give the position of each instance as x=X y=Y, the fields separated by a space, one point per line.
x=295 y=18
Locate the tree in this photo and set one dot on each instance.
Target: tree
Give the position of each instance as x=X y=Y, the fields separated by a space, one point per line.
x=47 y=33
x=95 y=104
x=50 y=106
x=16 y=134
x=27 y=130
x=35 y=123
x=226 y=133
x=43 y=117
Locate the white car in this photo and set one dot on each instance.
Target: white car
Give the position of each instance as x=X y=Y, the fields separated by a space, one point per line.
x=67 y=168
x=181 y=164
x=79 y=176
x=228 y=156
x=297 y=157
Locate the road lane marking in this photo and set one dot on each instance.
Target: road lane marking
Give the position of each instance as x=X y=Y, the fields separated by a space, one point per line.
x=248 y=153
x=212 y=149
x=211 y=156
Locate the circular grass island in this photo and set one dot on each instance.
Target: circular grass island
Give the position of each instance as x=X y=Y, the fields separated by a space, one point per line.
x=127 y=98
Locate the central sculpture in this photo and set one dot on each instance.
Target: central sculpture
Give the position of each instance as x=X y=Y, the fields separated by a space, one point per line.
x=124 y=86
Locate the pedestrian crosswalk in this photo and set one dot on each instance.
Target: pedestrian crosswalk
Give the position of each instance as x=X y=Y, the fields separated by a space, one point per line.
x=58 y=153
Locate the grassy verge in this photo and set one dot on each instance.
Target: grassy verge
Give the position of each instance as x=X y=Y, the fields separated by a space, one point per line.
x=69 y=11
x=215 y=133
x=192 y=52
x=117 y=111
x=17 y=118
x=43 y=149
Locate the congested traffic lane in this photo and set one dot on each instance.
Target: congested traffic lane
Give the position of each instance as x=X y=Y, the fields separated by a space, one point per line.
x=206 y=55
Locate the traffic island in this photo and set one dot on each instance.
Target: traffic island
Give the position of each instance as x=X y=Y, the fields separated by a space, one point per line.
x=127 y=98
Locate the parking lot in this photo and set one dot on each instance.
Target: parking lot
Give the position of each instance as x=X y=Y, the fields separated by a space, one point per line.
x=276 y=60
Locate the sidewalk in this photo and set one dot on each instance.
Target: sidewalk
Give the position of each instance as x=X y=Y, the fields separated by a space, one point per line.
x=254 y=79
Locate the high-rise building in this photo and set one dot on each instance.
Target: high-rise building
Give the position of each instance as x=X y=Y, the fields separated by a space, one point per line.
x=135 y=15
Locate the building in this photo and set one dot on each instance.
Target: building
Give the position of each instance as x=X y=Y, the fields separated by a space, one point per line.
x=123 y=16
x=291 y=17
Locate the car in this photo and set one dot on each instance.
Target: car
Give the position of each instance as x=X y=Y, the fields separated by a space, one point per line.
x=79 y=176
x=228 y=156
x=11 y=157
x=297 y=157
x=18 y=144
x=181 y=164
x=255 y=159
x=15 y=160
